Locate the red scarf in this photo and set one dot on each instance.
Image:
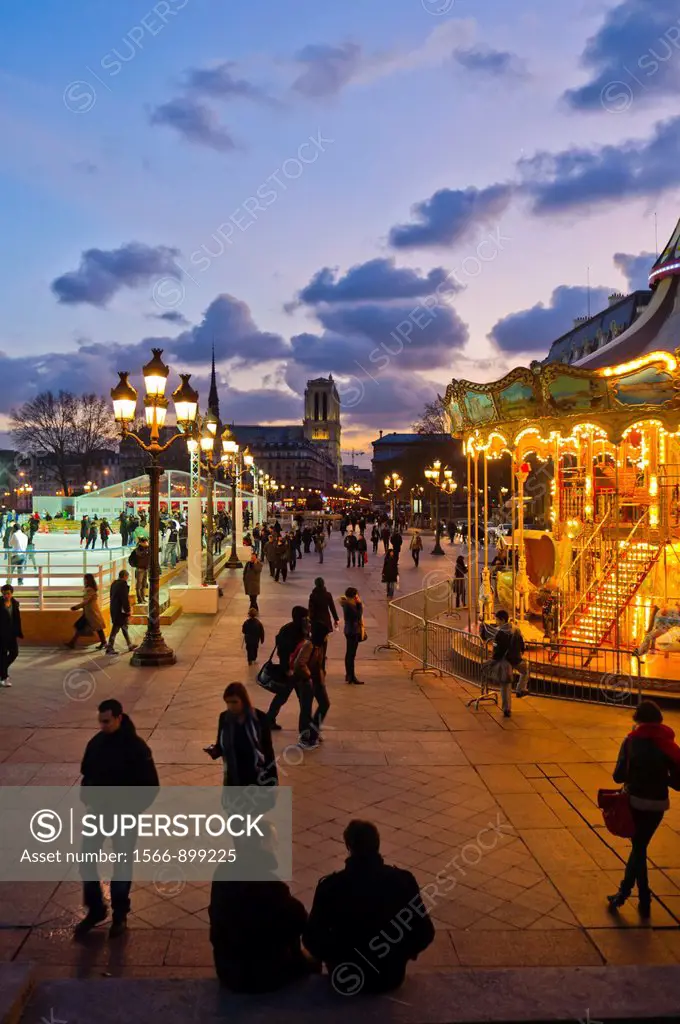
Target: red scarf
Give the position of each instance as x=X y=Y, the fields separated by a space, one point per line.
x=661 y=735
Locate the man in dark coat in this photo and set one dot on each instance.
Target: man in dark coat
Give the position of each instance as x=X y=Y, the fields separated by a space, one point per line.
x=140 y=559
x=367 y=914
x=351 y=542
x=10 y=632
x=115 y=757
x=287 y=639
x=322 y=606
x=119 y=604
x=397 y=541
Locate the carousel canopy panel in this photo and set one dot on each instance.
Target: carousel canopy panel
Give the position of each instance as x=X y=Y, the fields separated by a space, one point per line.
x=560 y=396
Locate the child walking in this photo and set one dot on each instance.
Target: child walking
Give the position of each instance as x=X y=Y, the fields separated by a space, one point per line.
x=253 y=632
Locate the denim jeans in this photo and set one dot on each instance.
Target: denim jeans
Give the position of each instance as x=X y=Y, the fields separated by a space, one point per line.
x=93 y=897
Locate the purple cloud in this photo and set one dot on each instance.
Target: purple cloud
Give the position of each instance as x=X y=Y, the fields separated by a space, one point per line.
x=104 y=272
x=450 y=216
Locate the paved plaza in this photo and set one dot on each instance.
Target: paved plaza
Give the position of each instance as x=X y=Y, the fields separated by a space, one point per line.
x=503 y=810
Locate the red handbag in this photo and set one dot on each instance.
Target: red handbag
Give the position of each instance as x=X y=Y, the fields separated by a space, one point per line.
x=616 y=811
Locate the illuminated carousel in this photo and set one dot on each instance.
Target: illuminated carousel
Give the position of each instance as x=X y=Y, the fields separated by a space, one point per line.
x=593 y=452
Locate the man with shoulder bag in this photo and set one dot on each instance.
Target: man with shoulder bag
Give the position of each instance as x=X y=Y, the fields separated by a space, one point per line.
x=507 y=656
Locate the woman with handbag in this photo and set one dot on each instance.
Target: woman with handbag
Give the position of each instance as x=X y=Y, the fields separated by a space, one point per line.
x=92 y=620
x=353 y=611
x=244 y=742
x=648 y=763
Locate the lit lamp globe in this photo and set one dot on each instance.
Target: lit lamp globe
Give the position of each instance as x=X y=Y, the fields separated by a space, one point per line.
x=155 y=374
x=186 y=403
x=124 y=398
x=207 y=439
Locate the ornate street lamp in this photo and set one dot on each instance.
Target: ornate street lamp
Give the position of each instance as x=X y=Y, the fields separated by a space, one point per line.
x=231 y=459
x=202 y=442
x=449 y=487
x=393 y=484
x=432 y=475
x=153 y=650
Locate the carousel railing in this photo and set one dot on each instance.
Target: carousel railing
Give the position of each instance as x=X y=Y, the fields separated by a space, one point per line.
x=577 y=585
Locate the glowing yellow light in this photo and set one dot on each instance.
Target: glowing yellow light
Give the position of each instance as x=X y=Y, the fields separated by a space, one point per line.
x=636 y=364
x=653 y=486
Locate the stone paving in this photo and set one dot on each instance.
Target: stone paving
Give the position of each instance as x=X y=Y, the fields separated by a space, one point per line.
x=498 y=814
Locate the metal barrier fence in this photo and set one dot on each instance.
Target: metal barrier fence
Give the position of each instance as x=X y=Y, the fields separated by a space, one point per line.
x=568 y=671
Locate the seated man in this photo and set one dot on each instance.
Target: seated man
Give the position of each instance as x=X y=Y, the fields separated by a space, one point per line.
x=255 y=927
x=368 y=920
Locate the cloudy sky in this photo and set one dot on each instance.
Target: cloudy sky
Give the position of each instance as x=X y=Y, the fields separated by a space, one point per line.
x=397 y=191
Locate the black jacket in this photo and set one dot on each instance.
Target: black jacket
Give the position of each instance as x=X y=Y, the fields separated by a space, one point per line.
x=397 y=541
x=646 y=769
x=253 y=631
x=121 y=758
x=363 y=911
x=508 y=642
x=287 y=639
x=351 y=542
x=255 y=930
x=390 y=573
x=119 y=602
x=240 y=768
x=322 y=607
x=10 y=621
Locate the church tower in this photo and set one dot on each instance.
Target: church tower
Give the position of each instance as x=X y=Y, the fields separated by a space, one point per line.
x=322 y=420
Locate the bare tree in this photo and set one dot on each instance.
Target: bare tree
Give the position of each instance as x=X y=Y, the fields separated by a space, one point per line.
x=62 y=427
x=44 y=426
x=94 y=429
x=434 y=419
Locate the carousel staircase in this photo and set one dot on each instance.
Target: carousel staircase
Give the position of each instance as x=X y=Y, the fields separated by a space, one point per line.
x=594 y=620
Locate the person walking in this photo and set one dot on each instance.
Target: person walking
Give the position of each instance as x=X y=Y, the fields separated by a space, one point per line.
x=459 y=581
x=281 y=558
x=253 y=634
x=648 y=763
x=252 y=573
x=292 y=551
x=390 y=573
x=115 y=757
x=353 y=612
x=310 y=666
x=350 y=543
x=10 y=632
x=119 y=606
x=329 y=527
x=363 y=901
x=508 y=654
x=84 y=529
x=385 y=537
x=375 y=538
x=288 y=640
x=92 y=620
x=139 y=559
x=397 y=541
x=307 y=539
x=244 y=742
x=416 y=546
x=18 y=544
x=270 y=552
x=320 y=544
x=104 y=533
x=362 y=551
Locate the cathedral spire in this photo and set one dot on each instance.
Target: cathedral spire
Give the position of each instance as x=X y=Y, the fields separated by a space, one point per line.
x=213 y=397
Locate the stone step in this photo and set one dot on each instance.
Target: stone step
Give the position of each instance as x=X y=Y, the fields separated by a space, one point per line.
x=16 y=985
x=533 y=994
x=169 y=614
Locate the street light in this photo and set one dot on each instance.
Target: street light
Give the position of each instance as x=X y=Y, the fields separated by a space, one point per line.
x=432 y=475
x=231 y=459
x=449 y=487
x=153 y=650
x=393 y=484
x=202 y=441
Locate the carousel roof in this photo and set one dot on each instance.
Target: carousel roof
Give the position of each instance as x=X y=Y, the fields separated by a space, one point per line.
x=658 y=328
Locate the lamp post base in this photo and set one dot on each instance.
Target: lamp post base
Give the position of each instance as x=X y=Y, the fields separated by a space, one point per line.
x=438 y=550
x=153 y=653
x=233 y=562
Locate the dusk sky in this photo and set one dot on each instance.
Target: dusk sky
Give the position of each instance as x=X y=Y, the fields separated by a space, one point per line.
x=395 y=191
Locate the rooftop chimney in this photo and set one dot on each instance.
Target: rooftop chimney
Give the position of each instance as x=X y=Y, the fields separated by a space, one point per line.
x=615 y=297
x=578 y=320
x=381 y=434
